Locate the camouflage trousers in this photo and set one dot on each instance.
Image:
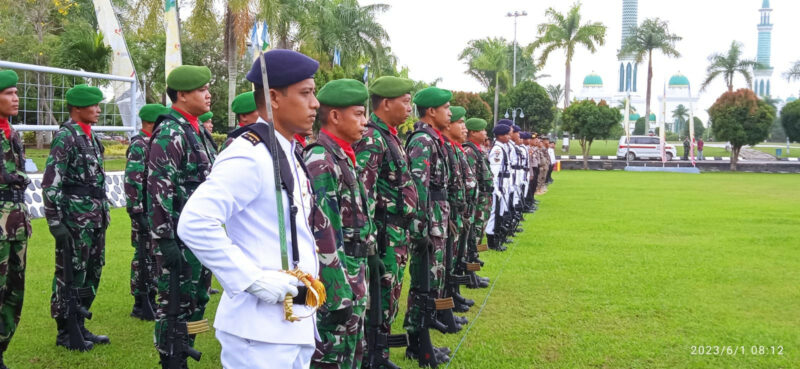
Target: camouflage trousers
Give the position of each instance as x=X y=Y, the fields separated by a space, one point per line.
x=542 y=180
x=434 y=266
x=195 y=280
x=482 y=215
x=394 y=261
x=141 y=244
x=88 y=258
x=342 y=343
x=12 y=287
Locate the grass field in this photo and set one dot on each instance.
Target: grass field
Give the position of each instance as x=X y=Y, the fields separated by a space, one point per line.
x=115 y=162
x=616 y=270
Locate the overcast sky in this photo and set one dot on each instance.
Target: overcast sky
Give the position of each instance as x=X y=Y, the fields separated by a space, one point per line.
x=428 y=35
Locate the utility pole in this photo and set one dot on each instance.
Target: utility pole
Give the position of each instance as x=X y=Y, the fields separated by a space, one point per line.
x=515 y=14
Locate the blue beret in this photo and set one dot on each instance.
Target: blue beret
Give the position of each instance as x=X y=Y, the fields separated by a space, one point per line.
x=516 y=128
x=505 y=122
x=501 y=129
x=284 y=68
x=524 y=135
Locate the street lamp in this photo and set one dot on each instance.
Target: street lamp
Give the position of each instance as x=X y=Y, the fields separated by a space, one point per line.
x=515 y=14
x=514 y=114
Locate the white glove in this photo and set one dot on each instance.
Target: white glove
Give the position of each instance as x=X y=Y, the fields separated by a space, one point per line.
x=273 y=286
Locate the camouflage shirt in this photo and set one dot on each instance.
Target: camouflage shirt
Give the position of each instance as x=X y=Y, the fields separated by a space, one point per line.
x=470 y=182
x=342 y=199
x=69 y=167
x=456 y=186
x=384 y=170
x=429 y=170
x=479 y=162
x=175 y=170
x=15 y=223
x=136 y=173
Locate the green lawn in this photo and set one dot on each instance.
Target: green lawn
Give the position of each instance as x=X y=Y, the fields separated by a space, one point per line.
x=794 y=151
x=115 y=162
x=616 y=269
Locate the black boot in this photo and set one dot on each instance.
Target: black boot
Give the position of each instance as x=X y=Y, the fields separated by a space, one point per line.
x=448 y=319
x=63 y=338
x=413 y=351
x=461 y=320
x=461 y=299
x=137 y=307
x=91 y=337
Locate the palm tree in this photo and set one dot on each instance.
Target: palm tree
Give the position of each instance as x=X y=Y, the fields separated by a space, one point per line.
x=566 y=32
x=555 y=92
x=793 y=74
x=286 y=19
x=238 y=22
x=652 y=34
x=349 y=27
x=487 y=60
x=728 y=65
x=681 y=114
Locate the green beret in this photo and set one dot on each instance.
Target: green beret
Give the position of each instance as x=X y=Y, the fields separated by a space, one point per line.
x=476 y=124
x=457 y=112
x=8 y=78
x=342 y=93
x=391 y=87
x=244 y=103
x=84 y=95
x=432 y=97
x=207 y=116
x=188 y=77
x=150 y=112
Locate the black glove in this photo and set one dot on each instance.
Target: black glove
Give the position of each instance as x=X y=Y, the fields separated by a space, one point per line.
x=170 y=252
x=60 y=233
x=338 y=317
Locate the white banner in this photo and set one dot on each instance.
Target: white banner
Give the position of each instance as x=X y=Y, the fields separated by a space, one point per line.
x=173 y=57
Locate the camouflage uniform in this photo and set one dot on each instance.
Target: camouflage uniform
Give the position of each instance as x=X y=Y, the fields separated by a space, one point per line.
x=429 y=170
x=456 y=197
x=15 y=228
x=134 y=183
x=544 y=163
x=392 y=202
x=342 y=198
x=73 y=169
x=479 y=162
x=175 y=169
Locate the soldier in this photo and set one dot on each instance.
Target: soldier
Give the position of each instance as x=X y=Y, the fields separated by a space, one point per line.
x=208 y=128
x=231 y=224
x=544 y=163
x=180 y=158
x=533 y=179
x=499 y=165
x=392 y=200
x=478 y=161
x=429 y=170
x=143 y=287
x=76 y=208
x=461 y=197
x=16 y=226
x=244 y=106
x=342 y=198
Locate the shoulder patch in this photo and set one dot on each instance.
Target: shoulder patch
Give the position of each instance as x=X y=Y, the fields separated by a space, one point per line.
x=252 y=137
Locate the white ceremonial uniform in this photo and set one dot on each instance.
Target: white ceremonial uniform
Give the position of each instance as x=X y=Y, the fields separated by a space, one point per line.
x=513 y=160
x=497 y=164
x=523 y=180
x=239 y=194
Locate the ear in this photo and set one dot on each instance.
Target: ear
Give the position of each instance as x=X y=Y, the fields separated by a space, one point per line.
x=273 y=98
x=334 y=116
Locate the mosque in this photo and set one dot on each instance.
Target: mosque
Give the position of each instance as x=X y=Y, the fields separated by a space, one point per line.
x=678 y=91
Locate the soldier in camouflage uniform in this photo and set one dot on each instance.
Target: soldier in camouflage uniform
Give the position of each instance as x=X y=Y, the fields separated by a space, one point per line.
x=135 y=181
x=461 y=197
x=479 y=162
x=244 y=106
x=429 y=170
x=392 y=199
x=76 y=207
x=544 y=163
x=15 y=228
x=342 y=198
x=180 y=158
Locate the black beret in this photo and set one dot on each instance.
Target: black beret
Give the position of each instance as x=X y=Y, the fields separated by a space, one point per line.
x=501 y=129
x=284 y=68
x=516 y=128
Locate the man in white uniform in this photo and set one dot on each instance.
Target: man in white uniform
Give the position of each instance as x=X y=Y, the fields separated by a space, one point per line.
x=498 y=164
x=239 y=196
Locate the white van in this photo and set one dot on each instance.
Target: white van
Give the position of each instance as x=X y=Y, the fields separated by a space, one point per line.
x=643 y=147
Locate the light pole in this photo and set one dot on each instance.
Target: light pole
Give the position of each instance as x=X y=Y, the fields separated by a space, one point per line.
x=514 y=114
x=515 y=14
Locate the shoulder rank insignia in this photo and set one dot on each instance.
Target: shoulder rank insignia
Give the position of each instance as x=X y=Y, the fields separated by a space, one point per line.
x=252 y=137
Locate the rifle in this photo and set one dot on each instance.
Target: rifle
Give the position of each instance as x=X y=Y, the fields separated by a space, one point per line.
x=427 y=304
x=175 y=342
x=144 y=281
x=72 y=296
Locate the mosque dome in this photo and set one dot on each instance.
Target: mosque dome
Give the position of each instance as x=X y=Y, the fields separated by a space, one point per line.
x=652 y=117
x=634 y=117
x=791 y=99
x=593 y=80
x=679 y=81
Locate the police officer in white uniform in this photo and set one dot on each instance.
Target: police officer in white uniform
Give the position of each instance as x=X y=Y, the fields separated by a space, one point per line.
x=499 y=165
x=239 y=196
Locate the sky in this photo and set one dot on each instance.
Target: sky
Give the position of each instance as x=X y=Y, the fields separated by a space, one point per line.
x=428 y=35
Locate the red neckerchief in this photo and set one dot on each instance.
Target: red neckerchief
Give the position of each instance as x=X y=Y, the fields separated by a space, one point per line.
x=87 y=129
x=301 y=139
x=191 y=118
x=242 y=124
x=441 y=140
x=5 y=127
x=458 y=145
x=392 y=129
x=348 y=150
x=146 y=133
x=479 y=146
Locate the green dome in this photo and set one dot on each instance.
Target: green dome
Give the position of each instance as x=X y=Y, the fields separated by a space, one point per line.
x=679 y=80
x=765 y=4
x=593 y=80
x=791 y=99
x=634 y=116
x=652 y=117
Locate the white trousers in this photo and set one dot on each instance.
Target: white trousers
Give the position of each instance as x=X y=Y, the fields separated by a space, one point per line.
x=240 y=353
x=496 y=201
